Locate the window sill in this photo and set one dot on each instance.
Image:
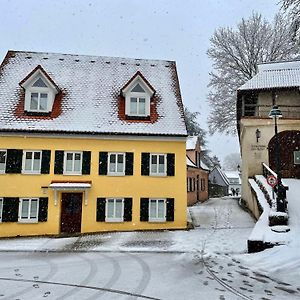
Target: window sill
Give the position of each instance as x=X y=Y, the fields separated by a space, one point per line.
x=31 y=173
x=157 y=221
x=114 y=220
x=116 y=174
x=27 y=221
x=72 y=174
x=158 y=175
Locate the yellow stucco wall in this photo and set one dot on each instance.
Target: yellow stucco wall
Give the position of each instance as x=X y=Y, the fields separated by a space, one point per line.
x=136 y=186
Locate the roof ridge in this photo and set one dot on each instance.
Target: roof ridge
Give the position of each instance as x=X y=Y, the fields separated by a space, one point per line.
x=93 y=56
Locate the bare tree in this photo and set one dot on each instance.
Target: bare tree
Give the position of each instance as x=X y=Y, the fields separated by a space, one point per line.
x=292 y=8
x=235 y=54
x=232 y=161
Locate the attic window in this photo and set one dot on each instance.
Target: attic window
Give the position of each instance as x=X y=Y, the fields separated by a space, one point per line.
x=40 y=92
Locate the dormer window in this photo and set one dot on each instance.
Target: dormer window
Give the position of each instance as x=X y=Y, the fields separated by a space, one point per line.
x=40 y=92
x=138 y=93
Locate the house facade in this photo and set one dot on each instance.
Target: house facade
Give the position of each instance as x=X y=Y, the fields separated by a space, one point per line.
x=276 y=84
x=218 y=183
x=90 y=144
x=197 y=172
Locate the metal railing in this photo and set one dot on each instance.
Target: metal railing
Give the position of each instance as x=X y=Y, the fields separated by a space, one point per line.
x=280 y=189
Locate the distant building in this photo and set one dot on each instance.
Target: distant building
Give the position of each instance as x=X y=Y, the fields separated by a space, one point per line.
x=197 y=172
x=276 y=84
x=218 y=183
x=235 y=182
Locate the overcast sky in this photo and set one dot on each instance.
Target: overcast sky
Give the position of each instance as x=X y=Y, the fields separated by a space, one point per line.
x=160 y=29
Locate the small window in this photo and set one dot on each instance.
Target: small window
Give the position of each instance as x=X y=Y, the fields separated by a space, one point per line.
x=158 y=165
x=138 y=89
x=297 y=157
x=40 y=83
x=32 y=162
x=28 y=210
x=3 y=155
x=1 y=209
x=73 y=163
x=114 y=210
x=138 y=106
x=39 y=102
x=157 y=210
x=116 y=164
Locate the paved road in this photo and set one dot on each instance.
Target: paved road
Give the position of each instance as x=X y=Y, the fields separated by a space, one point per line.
x=205 y=268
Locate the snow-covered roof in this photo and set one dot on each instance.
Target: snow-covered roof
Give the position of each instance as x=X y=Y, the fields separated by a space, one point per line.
x=91 y=86
x=233 y=175
x=203 y=165
x=275 y=75
x=222 y=174
x=189 y=163
x=191 y=142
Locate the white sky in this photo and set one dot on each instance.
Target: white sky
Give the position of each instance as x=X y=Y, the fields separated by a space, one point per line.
x=160 y=29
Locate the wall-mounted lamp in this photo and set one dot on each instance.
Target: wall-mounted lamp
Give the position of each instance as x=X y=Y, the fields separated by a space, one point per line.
x=257 y=134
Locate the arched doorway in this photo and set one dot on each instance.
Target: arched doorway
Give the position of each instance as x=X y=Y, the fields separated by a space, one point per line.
x=289 y=153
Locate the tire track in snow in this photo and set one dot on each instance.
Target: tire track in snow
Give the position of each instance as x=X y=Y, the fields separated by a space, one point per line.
x=113 y=279
x=113 y=291
x=207 y=268
x=93 y=269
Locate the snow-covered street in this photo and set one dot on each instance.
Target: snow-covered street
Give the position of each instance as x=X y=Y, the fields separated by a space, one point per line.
x=209 y=262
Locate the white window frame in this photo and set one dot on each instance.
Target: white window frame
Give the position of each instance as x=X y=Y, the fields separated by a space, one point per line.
x=114 y=218
x=146 y=95
x=1 y=209
x=28 y=219
x=157 y=219
x=165 y=164
x=108 y=164
x=73 y=163
x=138 y=97
x=32 y=161
x=3 y=171
x=39 y=91
x=295 y=163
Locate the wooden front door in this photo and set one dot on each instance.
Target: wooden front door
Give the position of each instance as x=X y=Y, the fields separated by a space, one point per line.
x=289 y=143
x=71 y=209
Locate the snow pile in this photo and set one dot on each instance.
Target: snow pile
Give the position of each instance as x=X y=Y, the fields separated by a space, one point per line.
x=262 y=231
x=283 y=261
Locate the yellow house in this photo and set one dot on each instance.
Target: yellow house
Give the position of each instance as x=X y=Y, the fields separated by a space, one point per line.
x=90 y=144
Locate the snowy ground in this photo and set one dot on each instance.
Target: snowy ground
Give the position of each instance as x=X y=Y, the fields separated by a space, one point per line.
x=209 y=262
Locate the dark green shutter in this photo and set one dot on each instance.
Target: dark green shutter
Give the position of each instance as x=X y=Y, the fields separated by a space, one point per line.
x=10 y=209
x=170 y=164
x=43 y=209
x=127 y=209
x=144 y=209
x=59 y=162
x=14 y=161
x=170 y=209
x=129 y=163
x=45 y=166
x=103 y=163
x=100 y=217
x=86 y=162
x=145 y=164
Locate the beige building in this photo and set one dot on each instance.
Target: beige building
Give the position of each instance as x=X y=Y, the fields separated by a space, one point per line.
x=197 y=172
x=275 y=84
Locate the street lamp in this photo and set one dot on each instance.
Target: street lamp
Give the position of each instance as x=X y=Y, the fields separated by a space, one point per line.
x=275 y=113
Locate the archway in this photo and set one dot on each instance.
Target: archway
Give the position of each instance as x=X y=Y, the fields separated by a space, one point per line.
x=289 y=153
